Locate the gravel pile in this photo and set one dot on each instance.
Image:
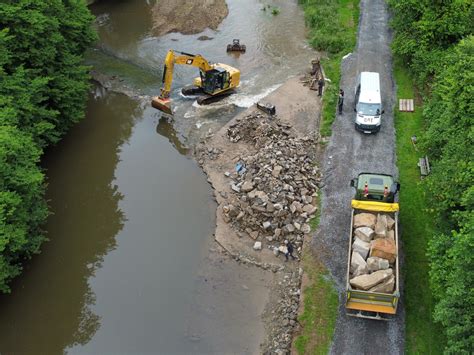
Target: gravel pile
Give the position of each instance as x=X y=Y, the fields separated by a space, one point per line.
x=274 y=189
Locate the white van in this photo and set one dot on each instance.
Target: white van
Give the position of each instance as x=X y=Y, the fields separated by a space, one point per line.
x=368 y=103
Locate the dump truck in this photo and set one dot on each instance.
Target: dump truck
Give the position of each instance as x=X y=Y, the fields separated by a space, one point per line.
x=372 y=287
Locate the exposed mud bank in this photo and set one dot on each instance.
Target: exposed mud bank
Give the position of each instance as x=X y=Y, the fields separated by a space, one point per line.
x=187 y=17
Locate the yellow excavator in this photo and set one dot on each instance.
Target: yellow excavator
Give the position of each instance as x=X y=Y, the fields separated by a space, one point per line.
x=215 y=81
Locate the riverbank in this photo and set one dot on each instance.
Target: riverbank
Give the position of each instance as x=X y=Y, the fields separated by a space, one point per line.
x=252 y=221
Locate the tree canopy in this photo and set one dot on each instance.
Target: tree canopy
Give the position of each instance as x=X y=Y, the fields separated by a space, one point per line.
x=435 y=38
x=43 y=91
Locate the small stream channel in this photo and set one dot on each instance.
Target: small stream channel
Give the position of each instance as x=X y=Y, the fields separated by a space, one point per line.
x=133 y=215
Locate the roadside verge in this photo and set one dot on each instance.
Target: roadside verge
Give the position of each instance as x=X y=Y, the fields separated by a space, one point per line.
x=423 y=336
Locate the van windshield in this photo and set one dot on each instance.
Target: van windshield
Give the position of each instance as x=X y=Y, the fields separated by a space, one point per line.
x=368 y=109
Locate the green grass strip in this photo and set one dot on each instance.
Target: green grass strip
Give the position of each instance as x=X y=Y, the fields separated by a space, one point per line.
x=320 y=309
x=320 y=302
x=333 y=25
x=423 y=336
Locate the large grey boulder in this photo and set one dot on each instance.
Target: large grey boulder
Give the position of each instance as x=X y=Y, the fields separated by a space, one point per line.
x=366 y=282
x=305 y=228
x=390 y=222
x=358 y=265
x=391 y=234
x=361 y=247
x=375 y=263
x=381 y=226
x=385 y=287
x=364 y=233
x=365 y=220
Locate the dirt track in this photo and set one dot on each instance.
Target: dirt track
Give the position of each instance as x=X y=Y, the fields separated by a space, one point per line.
x=349 y=153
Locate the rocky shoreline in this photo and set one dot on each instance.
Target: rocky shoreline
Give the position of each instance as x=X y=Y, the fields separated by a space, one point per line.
x=263 y=171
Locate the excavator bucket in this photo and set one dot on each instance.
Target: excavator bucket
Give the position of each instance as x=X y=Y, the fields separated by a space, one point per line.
x=162 y=104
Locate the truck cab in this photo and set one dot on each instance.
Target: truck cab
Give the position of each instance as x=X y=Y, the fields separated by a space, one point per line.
x=375 y=187
x=368 y=103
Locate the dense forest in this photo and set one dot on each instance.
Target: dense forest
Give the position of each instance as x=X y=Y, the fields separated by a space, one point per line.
x=436 y=40
x=43 y=93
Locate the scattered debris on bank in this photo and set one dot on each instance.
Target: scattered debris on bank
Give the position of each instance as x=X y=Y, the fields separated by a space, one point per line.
x=274 y=189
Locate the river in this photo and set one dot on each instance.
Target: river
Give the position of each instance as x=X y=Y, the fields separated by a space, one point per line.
x=128 y=258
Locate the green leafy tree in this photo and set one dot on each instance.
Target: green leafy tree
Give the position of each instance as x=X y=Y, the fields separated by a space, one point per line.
x=43 y=88
x=22 y=207
x=426 y=28
x=450 y=140
x=43 y=77
x=452 y=279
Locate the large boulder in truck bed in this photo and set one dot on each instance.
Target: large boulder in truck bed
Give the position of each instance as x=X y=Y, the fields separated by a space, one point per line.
x=384 y=248
x=385 y=287
x=365 y=220
x=358 y=265
x=366 y=282
x=381 y=227
x=361 y=247
x=364 y=233
x=374 y=264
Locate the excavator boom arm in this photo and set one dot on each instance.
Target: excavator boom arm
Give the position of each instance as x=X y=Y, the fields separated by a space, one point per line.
x=182 y=59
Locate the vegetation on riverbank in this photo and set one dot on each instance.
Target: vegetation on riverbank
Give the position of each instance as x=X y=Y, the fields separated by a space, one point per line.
x=43 y=93
x=333 y=25
x=320 y=308
x=320 y=302
x=336 y=38
x=435 y=42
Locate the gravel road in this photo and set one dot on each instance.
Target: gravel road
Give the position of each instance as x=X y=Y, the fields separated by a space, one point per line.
x=349 y=153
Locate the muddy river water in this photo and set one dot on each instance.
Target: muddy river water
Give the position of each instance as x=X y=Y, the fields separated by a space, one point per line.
x=133 y=214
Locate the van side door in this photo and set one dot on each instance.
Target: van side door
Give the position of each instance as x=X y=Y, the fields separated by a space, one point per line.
x=356 y=99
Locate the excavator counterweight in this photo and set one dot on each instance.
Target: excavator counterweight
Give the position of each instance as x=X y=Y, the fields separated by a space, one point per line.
x=216 y=80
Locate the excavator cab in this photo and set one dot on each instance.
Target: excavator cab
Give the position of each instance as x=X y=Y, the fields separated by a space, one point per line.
x=214 y=80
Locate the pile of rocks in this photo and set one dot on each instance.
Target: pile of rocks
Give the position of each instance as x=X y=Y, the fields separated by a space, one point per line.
x=283 y=315
x=274 y=190
x=374 y=253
